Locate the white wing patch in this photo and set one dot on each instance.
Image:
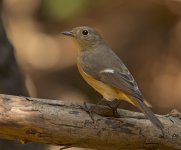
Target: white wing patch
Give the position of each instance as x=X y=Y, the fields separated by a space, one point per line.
x=107 y=71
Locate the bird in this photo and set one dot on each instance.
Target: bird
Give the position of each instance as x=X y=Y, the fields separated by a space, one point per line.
x=104 y=71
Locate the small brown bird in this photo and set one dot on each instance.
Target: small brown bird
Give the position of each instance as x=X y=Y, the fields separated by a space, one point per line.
x=105 y=72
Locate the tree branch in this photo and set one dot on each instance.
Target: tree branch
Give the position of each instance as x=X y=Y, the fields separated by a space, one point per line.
x=61 y=123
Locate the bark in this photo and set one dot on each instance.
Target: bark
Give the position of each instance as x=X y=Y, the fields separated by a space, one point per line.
x=63 y=123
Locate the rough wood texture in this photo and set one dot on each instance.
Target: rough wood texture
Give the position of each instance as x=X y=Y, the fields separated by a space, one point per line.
x=61 y=123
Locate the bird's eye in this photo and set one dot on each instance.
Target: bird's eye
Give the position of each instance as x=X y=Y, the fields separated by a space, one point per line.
x=85 y=32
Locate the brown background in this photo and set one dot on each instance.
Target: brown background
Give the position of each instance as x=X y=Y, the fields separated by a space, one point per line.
x=146 y=34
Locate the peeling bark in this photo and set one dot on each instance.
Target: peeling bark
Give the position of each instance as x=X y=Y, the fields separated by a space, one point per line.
x=63 y=123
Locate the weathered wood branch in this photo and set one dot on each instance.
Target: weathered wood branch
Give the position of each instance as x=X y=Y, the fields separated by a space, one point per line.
x=62 y=123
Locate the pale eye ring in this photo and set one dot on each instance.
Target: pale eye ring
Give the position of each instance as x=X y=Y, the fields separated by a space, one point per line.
x=85 y=32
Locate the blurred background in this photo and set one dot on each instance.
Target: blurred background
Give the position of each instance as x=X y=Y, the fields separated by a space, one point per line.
x=146 y=34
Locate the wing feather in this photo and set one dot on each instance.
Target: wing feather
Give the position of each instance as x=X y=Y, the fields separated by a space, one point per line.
x=123 y=81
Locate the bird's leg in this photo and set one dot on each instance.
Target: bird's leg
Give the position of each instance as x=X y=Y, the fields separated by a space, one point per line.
x=114 y=109
x=98 y=103
x=91 y=110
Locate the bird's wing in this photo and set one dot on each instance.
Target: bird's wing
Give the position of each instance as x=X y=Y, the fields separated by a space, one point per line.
x=105 y=66
x=120 y=79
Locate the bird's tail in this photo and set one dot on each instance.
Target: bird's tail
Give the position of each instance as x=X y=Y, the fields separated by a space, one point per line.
x=142 y=106
x=148 y=112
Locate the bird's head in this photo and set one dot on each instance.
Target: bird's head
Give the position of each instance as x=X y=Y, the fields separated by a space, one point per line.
x=85 y=37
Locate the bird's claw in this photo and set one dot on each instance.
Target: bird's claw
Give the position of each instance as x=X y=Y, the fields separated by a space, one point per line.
x=114 y=110
x=90 y=111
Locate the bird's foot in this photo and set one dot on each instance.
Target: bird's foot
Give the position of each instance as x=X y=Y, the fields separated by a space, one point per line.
x=114 y=109
x=90 y=110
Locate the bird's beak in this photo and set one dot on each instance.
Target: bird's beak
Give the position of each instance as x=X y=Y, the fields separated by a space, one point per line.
x=68 y=33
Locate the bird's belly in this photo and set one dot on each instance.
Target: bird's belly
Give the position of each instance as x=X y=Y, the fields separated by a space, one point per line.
x=108 y=92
